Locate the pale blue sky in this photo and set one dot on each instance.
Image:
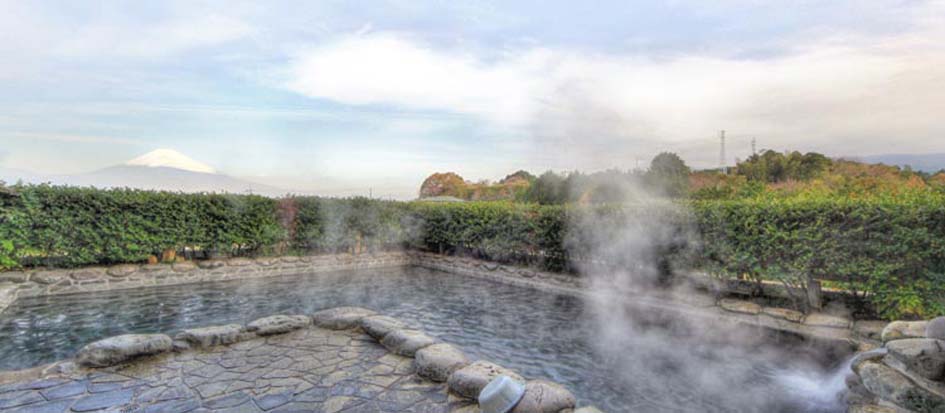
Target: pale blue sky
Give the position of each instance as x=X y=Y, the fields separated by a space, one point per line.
x=352 y=94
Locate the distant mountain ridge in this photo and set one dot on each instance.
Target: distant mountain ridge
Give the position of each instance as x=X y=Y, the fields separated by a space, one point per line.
x=930 y=163
x=160 y=170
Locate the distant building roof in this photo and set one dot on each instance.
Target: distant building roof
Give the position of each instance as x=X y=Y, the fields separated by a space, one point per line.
x=442 y=198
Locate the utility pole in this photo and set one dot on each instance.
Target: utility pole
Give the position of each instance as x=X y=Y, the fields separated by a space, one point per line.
x=753 y=143
x=722 y=151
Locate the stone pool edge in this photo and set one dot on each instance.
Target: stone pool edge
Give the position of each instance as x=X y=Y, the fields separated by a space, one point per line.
x=862 y=335
x=434 y=359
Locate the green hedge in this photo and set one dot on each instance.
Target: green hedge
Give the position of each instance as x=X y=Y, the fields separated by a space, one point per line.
x=889 y=253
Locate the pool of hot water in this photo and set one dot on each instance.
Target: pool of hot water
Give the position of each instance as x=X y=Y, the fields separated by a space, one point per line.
x=651 y=368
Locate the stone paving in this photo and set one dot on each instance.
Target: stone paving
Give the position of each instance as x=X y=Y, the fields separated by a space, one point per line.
x=308 y=370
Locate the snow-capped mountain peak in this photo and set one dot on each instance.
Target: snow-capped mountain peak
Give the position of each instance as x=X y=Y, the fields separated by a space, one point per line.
x=170 y=158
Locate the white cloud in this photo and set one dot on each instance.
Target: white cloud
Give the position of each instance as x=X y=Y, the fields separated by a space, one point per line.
x=824 y=96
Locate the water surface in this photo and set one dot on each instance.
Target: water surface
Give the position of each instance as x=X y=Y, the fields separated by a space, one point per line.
x=540 y=334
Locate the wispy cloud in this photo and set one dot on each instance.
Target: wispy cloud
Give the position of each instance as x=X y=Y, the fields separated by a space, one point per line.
x=823 y=95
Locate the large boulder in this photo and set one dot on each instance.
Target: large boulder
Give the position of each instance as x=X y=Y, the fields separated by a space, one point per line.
x=544 y=397
x=378 y=326
x=437 y=361
x=212 y=336
x=406 y=342
x=278 y=324
x=936 y=328
x=470 y=380
x=118 y=349
x=341 y=318
x=890 y=385
x=923 y=356
x=898 y=330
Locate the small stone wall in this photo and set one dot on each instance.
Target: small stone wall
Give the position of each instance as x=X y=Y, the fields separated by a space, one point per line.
x=693 y=304
x=906 y=374
x=39 y=282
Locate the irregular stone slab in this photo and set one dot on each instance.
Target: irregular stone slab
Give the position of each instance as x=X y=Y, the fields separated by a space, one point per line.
x=891 y=385
x=868 y=408
x=826 y=320
x=98 y=401
x=923 y=356
x=784 y=314
x=211 y=336
x=239 y=262
x=470 y=380
x=185 y=266
x=378 y=326
x=341 y=318
x=91 y=273
x=936 y=328
x=118 y=349
x=739 y=306
x=407 y=342
x=278 y=324
x=898 y=330
x=543 y=396
x=210 y=264
x=15 y=277
x=437 y=361
x=48 y=277
x=122 y=270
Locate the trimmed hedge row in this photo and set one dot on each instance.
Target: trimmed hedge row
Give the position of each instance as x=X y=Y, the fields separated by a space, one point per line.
x=887 y=252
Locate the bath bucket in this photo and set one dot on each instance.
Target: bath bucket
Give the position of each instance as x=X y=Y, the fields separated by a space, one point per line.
x=500 y=395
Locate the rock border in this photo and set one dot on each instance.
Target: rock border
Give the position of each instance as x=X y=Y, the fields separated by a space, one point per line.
x=862 y=335
x=906 y=374
x=434 y=360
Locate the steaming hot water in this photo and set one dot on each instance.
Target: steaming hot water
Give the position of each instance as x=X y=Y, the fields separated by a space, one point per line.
x=652 y=367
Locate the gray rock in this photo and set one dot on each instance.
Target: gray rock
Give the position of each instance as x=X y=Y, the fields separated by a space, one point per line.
x=341 y=318
x=278 y=324
x=437 y=361
x=185 y=266
x=118 y=349
x=869 y=408
x=211 y=336
x=873 y=354
x=378 y=326
x=543 y=396
x=898 y=330
x=871 y=329
x=239 y=262
x=470 y=380
x=826 y=320
x=48 y=277
x=936 y=328
x=739 y=306
x=407 y=342
x=210 y=264
x=15 y=277
x=91 y=273
x=122 y=270
x=784 y=314
x=894 y=387
x=923 y=356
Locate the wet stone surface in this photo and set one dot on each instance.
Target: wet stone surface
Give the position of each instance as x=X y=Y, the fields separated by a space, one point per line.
x=309 y=370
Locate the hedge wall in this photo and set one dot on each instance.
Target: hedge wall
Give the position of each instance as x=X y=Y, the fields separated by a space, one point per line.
x=888 y=252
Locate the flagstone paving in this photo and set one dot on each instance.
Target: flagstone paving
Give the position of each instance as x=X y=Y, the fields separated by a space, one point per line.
x=309 y=370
